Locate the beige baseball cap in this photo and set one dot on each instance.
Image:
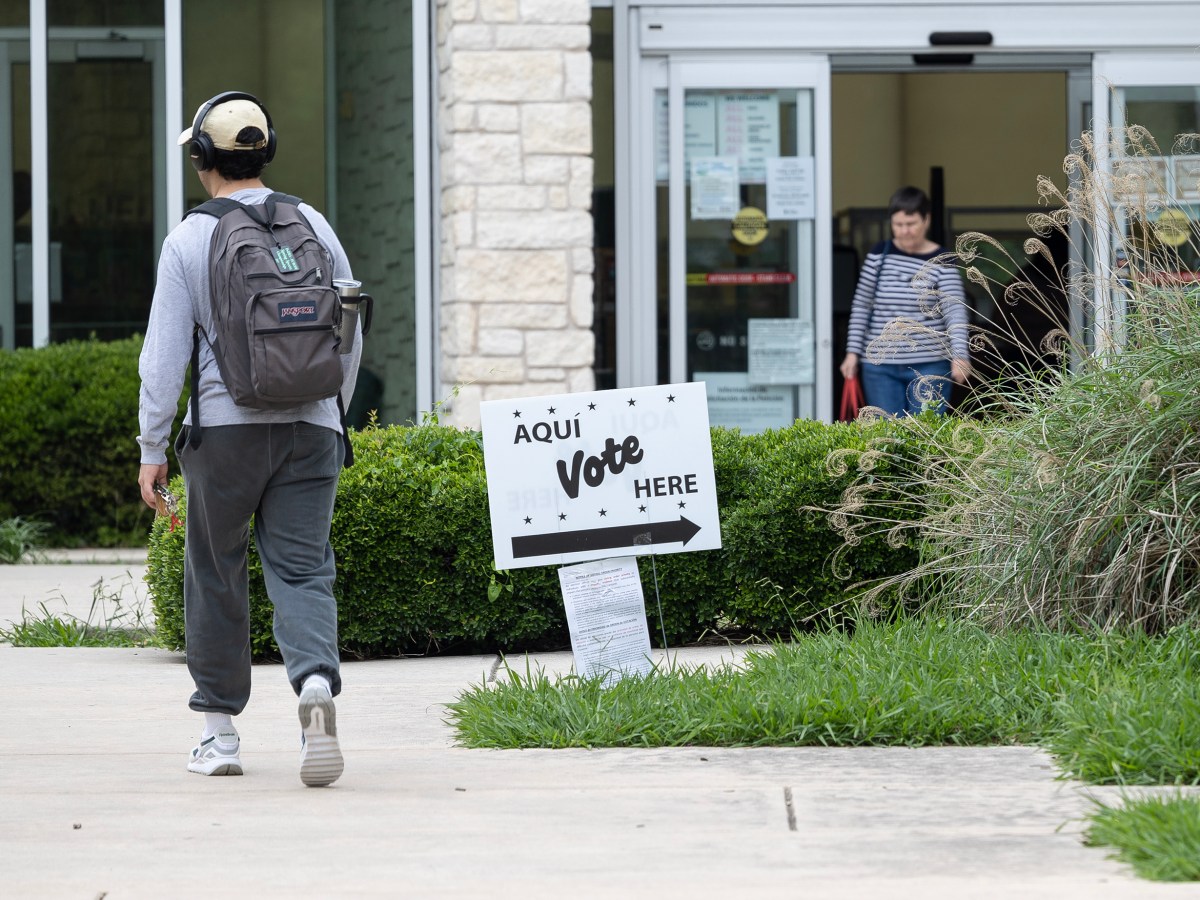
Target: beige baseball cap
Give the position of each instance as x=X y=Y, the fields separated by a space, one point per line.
x=223 y=122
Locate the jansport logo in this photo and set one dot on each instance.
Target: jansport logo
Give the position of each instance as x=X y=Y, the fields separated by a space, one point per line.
x=297 y=312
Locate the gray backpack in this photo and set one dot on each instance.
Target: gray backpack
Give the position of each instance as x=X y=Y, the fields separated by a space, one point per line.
x=275 y=312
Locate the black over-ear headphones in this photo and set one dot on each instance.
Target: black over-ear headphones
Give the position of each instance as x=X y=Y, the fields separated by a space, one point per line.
x=204 y=157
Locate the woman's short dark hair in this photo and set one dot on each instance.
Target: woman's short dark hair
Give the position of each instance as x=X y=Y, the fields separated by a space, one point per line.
x=239 y=165
x=910 y=200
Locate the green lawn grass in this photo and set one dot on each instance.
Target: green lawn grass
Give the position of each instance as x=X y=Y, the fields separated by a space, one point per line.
x=1113 y=708
x=1158 y=836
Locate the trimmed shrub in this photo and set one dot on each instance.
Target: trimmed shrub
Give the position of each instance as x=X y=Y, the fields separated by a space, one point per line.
x=693 y=587
x=68 y=423
x=412 y=537
x=413 y=541
x=787 y=566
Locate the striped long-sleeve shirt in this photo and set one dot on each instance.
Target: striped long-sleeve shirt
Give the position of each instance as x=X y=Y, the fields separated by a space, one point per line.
x=935 y=304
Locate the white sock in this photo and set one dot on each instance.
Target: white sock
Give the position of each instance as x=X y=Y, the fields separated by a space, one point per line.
x=220 y=724
x=318 y=681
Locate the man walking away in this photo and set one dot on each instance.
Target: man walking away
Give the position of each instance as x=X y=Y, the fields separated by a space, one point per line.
x=277 y=464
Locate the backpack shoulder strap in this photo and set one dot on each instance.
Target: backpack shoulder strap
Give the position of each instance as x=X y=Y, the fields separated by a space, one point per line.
x=216 y=207
x=221 y=206
x=195 y=434
x=291 y=200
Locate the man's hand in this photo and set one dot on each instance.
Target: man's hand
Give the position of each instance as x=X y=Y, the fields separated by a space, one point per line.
x=149 y=476
x=960 y=370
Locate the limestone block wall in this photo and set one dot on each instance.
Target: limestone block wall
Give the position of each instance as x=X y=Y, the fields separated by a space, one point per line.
x=515 y=144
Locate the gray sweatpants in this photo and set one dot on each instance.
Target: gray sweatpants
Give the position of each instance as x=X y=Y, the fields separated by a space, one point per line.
x=284 y=476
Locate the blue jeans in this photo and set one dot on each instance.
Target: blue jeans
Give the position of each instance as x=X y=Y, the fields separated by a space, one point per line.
x=898 y=388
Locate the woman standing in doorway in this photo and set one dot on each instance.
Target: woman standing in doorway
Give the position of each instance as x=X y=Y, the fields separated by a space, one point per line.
x=929 y=347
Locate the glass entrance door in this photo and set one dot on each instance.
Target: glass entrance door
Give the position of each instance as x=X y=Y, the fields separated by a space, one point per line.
x=1147 y=119
x=103 y=167
x=740 y=167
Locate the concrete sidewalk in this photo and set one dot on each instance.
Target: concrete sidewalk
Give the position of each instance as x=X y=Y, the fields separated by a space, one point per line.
x=97 y=802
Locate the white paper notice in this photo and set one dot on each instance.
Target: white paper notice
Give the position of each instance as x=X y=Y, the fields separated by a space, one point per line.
x=715 y=187
x=790 y=188
x=699 y=130
x=753 y=408
x=748 y=127
x=699 y=126
x=779 y=351
x=606 y=615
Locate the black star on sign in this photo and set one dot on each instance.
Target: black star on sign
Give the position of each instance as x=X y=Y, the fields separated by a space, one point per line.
x=682 y=505
x=561 y=516
x=516 y=414
x=670 y=398
x=591 y=406
x=633 y=403
x=528 y=520
x=641 y=509
x=604 y=512
x=551 y=410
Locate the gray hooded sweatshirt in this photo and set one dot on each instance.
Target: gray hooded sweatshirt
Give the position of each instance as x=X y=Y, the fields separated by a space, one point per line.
x=181 y=300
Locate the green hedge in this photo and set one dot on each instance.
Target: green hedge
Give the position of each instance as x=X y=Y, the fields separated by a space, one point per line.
x=778 y=545
x=68 y=449
x=412 y=538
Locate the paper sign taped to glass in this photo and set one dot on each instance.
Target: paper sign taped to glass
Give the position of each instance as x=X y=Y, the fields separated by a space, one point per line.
x=576 y=477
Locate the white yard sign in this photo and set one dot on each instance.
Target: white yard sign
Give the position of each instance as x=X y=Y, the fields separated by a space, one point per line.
x=575 y=477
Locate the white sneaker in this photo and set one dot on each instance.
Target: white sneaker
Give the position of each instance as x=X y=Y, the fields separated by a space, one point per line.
x=217 y=756
x=321 y=760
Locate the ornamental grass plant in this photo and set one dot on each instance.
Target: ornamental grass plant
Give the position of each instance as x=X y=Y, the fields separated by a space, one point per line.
x=1071 y=494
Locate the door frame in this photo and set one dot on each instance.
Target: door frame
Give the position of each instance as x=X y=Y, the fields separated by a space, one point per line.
x=736 y=72
x=637 y=321
x=63 y=45
x=1113 y=70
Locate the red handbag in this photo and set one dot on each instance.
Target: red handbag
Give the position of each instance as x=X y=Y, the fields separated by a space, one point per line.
x=852 y=400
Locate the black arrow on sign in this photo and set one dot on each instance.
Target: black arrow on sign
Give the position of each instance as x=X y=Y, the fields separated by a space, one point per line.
x=604 y=538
